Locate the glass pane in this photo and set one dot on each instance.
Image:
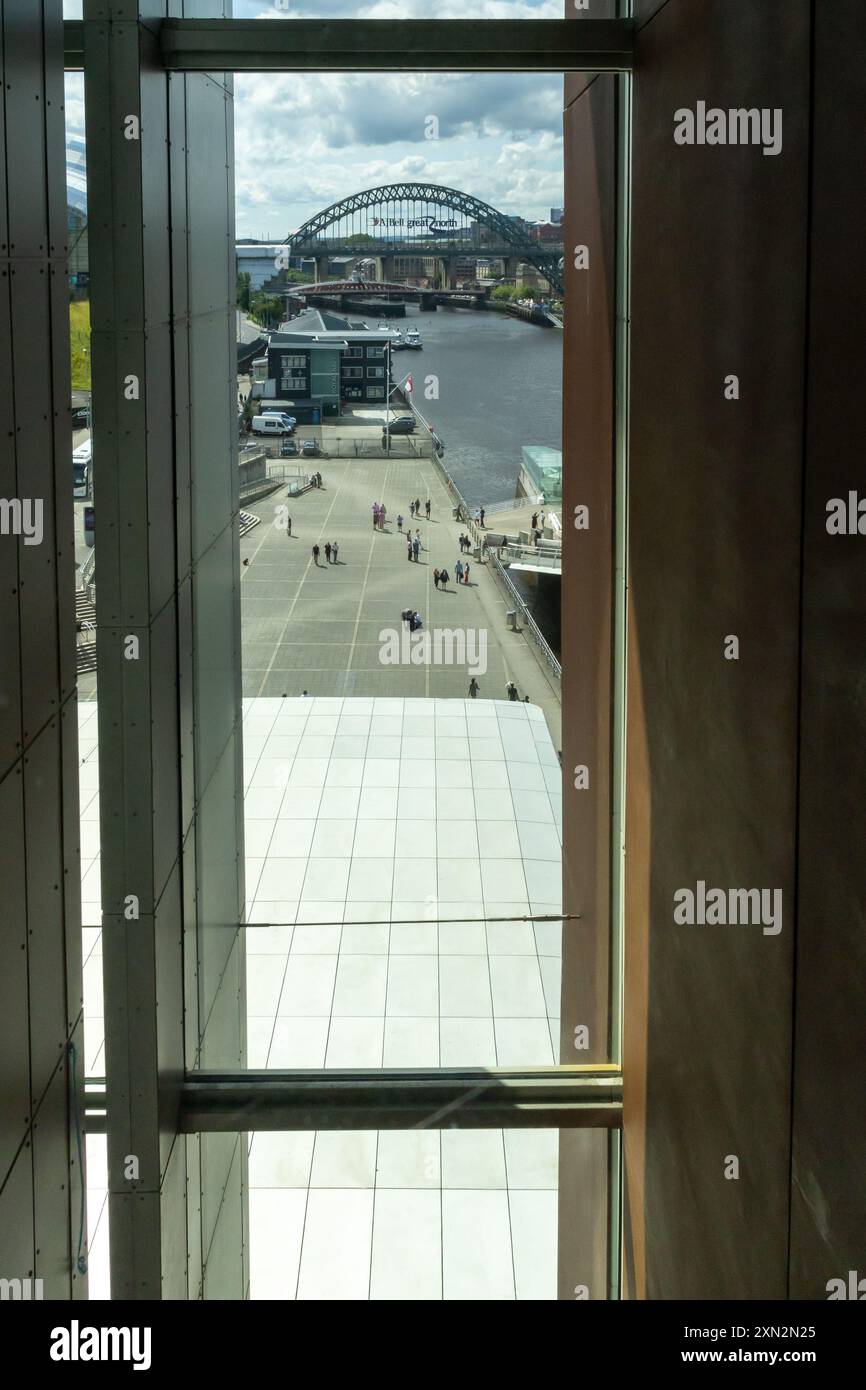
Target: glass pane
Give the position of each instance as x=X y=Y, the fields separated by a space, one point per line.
x=404 y=789
x=398 y=9
x=425 y=1215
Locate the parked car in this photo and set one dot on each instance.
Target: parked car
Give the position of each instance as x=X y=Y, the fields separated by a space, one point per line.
x=288 y=448
x=309 y=447
x=404 y=424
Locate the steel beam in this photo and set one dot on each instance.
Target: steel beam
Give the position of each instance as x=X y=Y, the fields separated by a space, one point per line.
x=376 y=45
x=572 y=1098
x=379 y=45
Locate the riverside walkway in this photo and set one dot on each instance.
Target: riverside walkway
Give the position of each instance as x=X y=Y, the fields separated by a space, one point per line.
x=318 y=628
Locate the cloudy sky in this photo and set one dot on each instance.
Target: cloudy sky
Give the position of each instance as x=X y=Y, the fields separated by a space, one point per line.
x=304 y=141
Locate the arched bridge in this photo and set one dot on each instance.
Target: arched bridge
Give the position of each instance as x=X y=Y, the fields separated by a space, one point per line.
x=421 y=220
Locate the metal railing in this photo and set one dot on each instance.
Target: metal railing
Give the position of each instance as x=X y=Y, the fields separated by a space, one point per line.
x=531 y=625
x=539 y=556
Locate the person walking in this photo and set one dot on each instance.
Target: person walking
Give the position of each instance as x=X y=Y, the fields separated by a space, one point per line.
x=534 y=522
x=411 y=508
x=417 y=622
x=416 y=547
x=474 y=688
x=481 y=516
x=542 y=521
x=408 y=547
x=375 y=515
x=435 y=579
x=399 y=522
x=466 y=572
x=289 y=526
x=316 y=553
x=383 y=512
x=427 y=508
x=511 y=691
x=458 y=571
x=328 y=551
x=417 y=506
x=418 y=535
x=334 y=550
x=443 y=578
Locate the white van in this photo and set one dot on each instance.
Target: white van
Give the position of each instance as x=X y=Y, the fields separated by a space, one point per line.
x=271 y=424
x=289 y=421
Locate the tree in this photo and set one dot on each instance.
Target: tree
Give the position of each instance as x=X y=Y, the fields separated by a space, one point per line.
x=243 y=290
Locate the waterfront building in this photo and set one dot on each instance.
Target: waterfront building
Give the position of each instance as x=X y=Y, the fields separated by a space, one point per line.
x=320 y=359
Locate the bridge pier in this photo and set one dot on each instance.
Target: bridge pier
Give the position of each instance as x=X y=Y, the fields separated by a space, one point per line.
x=322 y=268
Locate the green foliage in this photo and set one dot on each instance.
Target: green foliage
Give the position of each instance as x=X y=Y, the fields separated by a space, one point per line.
x=243 y=290
x=79 y=335
x=266 y=309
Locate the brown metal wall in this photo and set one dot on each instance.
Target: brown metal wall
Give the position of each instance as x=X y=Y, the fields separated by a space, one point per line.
x=742 y=773
x=828 y=1220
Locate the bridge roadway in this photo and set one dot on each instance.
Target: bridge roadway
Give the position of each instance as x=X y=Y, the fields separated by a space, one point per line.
x=317 y=629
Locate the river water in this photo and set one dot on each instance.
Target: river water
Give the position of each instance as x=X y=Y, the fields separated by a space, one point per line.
x=500 y=387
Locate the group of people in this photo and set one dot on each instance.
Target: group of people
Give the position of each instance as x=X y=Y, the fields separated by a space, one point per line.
x=412 y=619
x=510 y=690
x=413 y=545
x=465 y=543
x=537 y=522
x=379 y=514
x=332 y=550
x=415 y=508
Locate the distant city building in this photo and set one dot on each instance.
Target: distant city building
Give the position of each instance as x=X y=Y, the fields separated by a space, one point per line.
x=76 y=239
x=546 y=231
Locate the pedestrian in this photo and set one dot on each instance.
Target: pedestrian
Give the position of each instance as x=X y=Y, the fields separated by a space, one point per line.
x=481 y=515
x=427 y=508
x=458 y=571
x=382 y=514
x=466 y=573
x=399 y=522
x=511 y=691
x=411 y=508
x=417 y=506
x=537 y=537
x=328 y=551
x=375 y=515
x=534 y=522
x=408 y=546
x=443 y=578
x=542 y=521
x=288 y=526
x=406 y=615
x=474 y=688
x=418 y=535
x=316 y=553
x=435 y=579
x=334 y=550
x=416 y=546
x=417 y=622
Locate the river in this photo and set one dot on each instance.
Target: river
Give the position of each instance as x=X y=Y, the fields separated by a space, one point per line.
x=500 y=387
